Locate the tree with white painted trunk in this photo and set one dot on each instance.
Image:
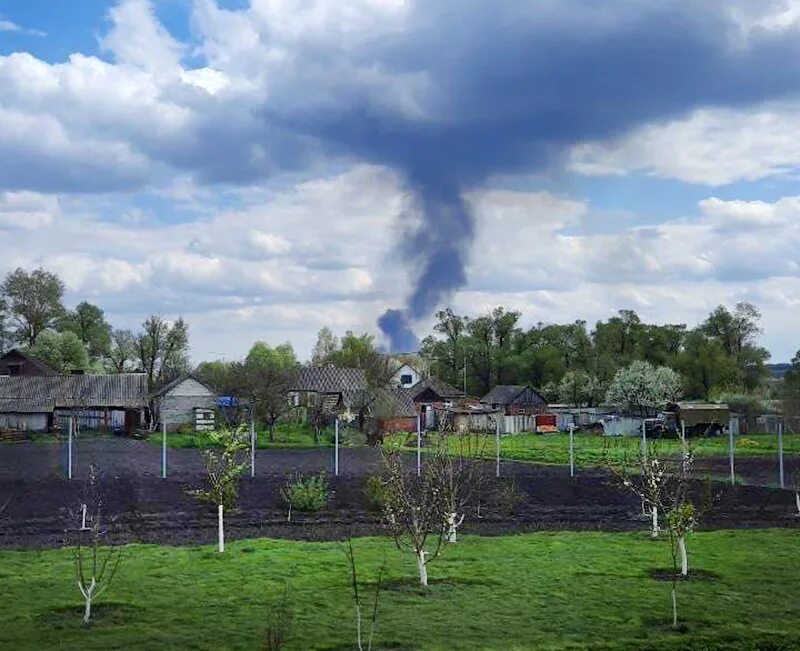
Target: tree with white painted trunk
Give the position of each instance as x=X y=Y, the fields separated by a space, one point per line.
x=225 y=463
x=95 y=564
x=664 y=486
x=461 y=472
x=415 y=510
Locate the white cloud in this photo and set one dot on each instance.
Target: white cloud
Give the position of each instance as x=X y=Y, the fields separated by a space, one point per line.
x=26 y=210
x=710 y=146
x=138 y=39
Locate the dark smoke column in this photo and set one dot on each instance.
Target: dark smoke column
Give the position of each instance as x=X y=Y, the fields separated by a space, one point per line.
x=438 y=248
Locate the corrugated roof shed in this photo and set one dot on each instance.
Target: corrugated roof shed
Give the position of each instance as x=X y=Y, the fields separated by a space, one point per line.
x=123 y=390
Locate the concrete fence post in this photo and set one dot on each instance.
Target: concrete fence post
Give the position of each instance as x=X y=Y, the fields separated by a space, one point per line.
x=731 y=451
x=336 y=448
x=572 y=450
x=69 y=448
x=780 y=455
x=163 y=450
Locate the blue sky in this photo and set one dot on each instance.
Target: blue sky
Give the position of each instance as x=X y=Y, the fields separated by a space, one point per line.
x=269 y=167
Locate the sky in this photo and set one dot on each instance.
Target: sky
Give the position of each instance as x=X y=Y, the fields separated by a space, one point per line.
x=265 y=168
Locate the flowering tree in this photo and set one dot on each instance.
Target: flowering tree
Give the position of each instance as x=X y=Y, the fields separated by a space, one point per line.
x=642 y=385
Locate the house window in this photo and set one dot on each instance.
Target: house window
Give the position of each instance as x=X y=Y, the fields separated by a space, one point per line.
x=405 y=379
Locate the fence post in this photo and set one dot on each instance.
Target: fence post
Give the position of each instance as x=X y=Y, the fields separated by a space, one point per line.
x=419 y=444
x=336 y=447
x=497 y=446
x=730 y=450
x=571 y=451
x=252 y=448
x=163 y=450
x=780 y=454
x=644 y=445
x=69 y=448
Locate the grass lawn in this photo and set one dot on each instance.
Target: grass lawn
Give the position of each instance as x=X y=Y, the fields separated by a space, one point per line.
x=532 y=591
x=287 y=435
x=591 y=448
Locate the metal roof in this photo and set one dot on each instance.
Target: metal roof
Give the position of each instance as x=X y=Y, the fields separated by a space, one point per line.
x=26 y=406
x=507 y=394
x=442 y=389
x=330 y=379
x=126 y=390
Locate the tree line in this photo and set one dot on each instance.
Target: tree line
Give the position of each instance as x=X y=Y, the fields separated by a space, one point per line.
x=33 y=317
x=573 y=363
x=719 y=358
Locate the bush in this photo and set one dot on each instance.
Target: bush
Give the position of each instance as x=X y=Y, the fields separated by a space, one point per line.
x=375 y=493
x=305 y=493
x=185 y=428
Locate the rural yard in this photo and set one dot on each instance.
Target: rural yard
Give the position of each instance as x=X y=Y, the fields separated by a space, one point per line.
x=566 y=531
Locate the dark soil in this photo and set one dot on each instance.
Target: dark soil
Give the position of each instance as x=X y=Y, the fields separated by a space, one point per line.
x=142 y=507
x=665 y=574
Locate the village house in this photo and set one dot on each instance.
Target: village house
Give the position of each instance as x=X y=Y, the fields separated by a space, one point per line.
x=330 y=388
x=434 y=400
x=515 y=399
x=406 y=376
x=185 y=402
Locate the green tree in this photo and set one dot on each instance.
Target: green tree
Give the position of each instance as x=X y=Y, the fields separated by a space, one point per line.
x=737 y=334
x=33 y=300
x=122 y=354
x=263 y=355
x=325 y=346
x=579 y=388
x=89 y=323
x=62 y=351
x=705 y=365
x=163 y=349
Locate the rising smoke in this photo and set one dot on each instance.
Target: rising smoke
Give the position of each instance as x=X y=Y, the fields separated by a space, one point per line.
x=512 y=86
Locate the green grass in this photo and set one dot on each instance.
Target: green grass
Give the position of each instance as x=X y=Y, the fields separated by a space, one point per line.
x=533 y=591
x=591 y=448
x=287 y=435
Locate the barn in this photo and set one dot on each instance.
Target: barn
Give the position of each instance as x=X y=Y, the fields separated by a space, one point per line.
x=98 y=402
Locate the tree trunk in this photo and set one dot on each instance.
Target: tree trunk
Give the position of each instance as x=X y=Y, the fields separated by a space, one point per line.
x=422 y=565
x=87 y=611
x=674 y=607
x=272 y=432
x=451 y=525
x=654 y=532
x=221 y=528
x=684 y=557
